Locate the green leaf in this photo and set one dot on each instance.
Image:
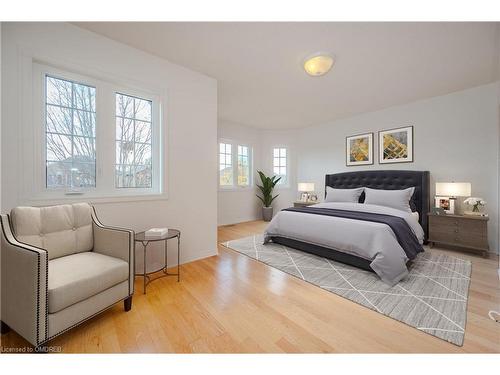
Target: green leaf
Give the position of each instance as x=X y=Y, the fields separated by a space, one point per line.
x=260 y=198
x=276 y=196
x=268 y=184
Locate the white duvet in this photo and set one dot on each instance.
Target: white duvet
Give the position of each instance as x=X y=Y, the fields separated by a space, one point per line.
x=375 y=242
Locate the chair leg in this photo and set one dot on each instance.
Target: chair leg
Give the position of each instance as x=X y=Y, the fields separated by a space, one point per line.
x=4 y=328
x=127 y=303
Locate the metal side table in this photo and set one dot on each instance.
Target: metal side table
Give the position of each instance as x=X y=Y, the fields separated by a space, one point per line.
x=172 y=233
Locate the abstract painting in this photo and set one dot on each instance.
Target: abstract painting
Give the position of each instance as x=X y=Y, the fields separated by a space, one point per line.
x=396 y=145
x=359 y=149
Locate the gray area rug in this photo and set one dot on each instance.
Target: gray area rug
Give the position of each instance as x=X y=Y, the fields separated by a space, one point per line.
x=433 y=298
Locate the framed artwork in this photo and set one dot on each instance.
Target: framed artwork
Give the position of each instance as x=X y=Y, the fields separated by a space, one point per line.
x=395 y=145
x=446 y=204
x=359 y=149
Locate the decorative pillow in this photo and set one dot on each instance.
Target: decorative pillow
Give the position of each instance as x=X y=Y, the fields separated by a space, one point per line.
x=343 y=195
x=398 y=199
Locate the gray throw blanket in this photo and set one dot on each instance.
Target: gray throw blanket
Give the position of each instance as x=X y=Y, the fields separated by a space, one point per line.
x=404 y=234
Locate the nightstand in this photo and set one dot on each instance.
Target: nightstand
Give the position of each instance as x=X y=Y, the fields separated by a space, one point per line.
x=303 y=204
x=466 y=232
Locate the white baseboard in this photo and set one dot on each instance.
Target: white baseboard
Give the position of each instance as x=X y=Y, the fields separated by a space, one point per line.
x=239 y=220
x=199 y=257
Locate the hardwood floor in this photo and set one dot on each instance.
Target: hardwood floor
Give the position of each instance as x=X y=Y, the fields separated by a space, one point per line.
x=233 y=304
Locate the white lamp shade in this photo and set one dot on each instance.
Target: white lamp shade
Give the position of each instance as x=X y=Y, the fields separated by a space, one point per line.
x=453 y=189
x=306 y=186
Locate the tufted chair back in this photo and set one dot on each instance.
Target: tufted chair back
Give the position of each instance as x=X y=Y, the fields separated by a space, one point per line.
x=61 y=230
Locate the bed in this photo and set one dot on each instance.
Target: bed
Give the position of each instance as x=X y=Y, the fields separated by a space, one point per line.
x=356 y=240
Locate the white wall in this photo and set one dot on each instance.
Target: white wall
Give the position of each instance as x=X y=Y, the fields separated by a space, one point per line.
x=455 y=138
x=190 y=137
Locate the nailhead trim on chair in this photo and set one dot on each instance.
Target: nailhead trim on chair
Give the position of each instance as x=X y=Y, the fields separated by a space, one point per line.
x=47 y=297
x=82 y=321
x=47 y=339
x=38 y=289
x=38 y=277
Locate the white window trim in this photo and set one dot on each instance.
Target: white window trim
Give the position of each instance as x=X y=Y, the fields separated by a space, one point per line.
x=250 y=167
x=156 y=145
x=234 y=158
x=225 y=187
x=286 y=185
x=33 y=160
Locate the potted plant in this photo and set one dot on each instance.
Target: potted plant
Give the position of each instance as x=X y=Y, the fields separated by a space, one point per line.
x=268 y=184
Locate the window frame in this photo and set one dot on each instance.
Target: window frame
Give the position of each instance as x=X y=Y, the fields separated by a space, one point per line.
x=234 y=159
x=225 y=142
x=286 y=181
x=155 y=156
x=105 y=107
x=249 y=161
x=73 y=108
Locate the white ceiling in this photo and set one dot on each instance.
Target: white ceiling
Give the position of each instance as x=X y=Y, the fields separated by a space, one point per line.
x=261 y=81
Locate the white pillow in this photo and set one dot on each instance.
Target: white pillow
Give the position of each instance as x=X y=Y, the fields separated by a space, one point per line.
x=343 y=195
x=398 y=199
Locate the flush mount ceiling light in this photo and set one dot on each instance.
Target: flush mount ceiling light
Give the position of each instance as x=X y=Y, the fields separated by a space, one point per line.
x=318 y=64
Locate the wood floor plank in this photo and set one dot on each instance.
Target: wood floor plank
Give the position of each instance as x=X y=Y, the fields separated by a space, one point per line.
x=231 y=303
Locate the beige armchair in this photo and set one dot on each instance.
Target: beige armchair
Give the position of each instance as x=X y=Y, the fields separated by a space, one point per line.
x=60 y=267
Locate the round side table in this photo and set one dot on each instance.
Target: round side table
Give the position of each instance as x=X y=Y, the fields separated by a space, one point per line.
x=172 y=233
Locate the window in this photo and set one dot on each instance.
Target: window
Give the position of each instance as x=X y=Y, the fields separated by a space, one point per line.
x=280 y=164
x=243 y=166
x=225 y=165
x=133 y=142
x=241 y=157
x=70 y=113
x=96 y=139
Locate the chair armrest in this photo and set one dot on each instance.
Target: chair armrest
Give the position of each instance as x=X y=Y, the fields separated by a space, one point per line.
x=115 y=242
x=24 y=286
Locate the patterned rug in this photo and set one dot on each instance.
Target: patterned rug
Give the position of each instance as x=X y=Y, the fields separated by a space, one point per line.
x=433 y=298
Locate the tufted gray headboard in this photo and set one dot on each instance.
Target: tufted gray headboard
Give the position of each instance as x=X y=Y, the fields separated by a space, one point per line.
x=390 y=180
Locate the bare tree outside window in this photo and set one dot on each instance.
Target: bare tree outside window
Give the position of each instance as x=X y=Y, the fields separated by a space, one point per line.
x=243 y=166
x=70 y=121
x=133 y=142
